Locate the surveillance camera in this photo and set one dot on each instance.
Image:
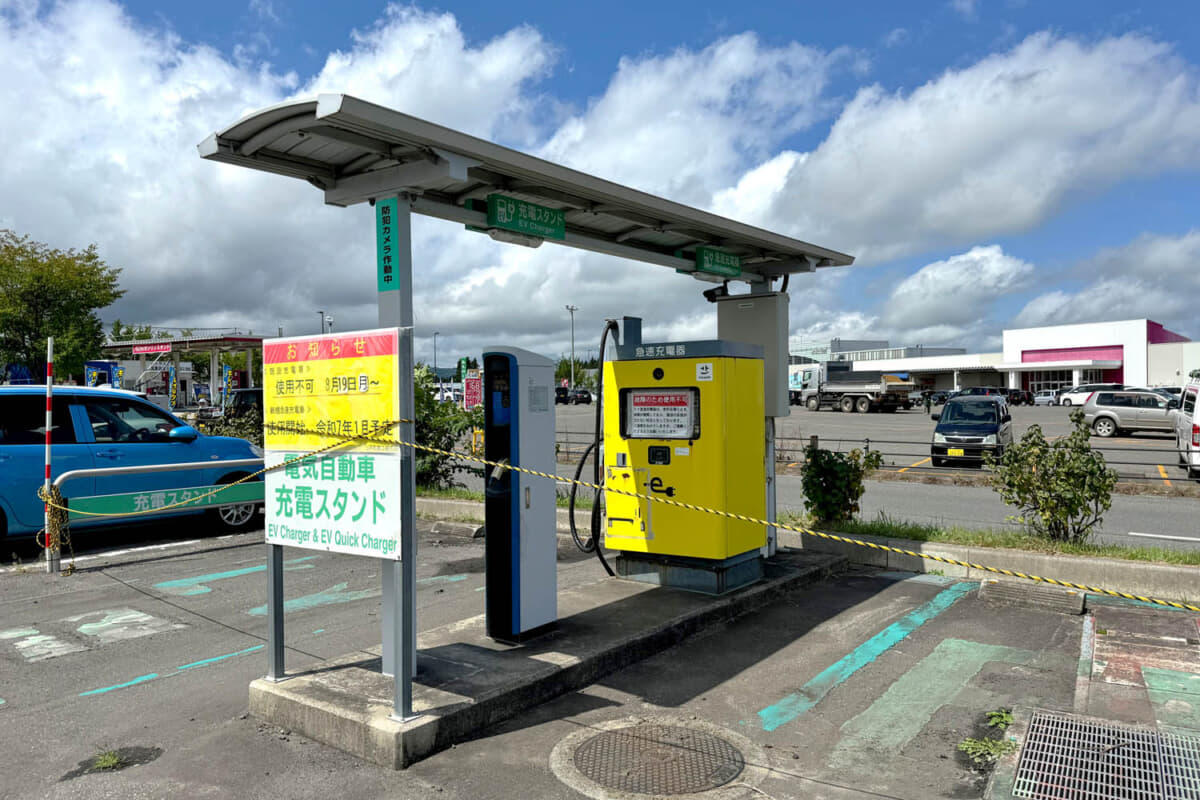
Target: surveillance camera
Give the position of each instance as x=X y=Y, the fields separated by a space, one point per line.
x=716 y=293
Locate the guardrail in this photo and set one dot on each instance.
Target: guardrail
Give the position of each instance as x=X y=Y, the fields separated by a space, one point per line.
x=913 y=456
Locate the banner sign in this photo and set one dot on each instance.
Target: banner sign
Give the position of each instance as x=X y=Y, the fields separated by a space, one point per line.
x=386 y=246
x=472 y=390
x=226 y=372
x=142 y=349
x=319 y=390
x=172 y=389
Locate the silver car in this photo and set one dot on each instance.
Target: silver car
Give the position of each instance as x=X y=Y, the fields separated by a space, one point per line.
x=1111 y=412
x=1046 y=397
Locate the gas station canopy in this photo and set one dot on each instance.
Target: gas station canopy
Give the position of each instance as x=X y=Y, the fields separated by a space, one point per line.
x=356 y=151
x=229 y=342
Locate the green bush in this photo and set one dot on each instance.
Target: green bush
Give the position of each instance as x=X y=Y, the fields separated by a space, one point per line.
x=443 y=426
x=1061 y=488
x=248 y=426
x=833 y=482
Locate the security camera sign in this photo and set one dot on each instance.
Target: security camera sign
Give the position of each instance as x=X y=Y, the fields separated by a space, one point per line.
x=661 y=414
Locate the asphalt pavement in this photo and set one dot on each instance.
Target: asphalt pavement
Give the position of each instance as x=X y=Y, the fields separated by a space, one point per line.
x=858 y=686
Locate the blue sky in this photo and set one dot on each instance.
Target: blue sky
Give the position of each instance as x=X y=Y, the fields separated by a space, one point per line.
x=990 y=164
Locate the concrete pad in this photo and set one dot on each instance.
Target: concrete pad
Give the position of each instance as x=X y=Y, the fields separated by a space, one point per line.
x=466 y=681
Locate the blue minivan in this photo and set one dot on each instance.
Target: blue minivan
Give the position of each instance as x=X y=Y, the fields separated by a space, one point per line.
x=96 y=428
x=969 y=426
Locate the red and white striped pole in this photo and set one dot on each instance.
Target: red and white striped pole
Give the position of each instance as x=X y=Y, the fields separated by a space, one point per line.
x=51 y=553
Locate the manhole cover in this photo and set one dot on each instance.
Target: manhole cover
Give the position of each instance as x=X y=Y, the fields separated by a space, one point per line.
x=659 y=759
x=1068 y=757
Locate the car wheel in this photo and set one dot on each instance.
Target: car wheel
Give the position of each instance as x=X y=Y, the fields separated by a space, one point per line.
x=847 y=404
x=863 y=405
x=1104 y=427
x=1066 y=401
x=813 y=404
x=233 y=519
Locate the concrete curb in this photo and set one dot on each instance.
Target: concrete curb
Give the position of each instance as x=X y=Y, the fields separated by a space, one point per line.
x=469 y=513
x=345 y=702
x=1162 y=581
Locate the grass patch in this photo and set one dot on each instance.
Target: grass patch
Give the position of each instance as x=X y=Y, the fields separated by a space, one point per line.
x=456 y=493
x=107 y=760
x=1010 y=539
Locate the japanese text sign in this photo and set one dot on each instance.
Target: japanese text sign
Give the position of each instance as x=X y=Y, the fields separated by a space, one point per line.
x=718 y=262
x=387 y=248
x=665 y=414
x=529 y=218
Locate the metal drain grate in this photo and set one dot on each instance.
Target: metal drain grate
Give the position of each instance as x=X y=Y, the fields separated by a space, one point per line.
x=659 y=759
x=1066 y=758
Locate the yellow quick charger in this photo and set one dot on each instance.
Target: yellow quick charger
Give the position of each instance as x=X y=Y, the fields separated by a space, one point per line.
x=684 y=421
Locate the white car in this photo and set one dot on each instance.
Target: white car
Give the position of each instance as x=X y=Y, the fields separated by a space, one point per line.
x=1187 y=428
x=1046 y=397
x=1078 y=395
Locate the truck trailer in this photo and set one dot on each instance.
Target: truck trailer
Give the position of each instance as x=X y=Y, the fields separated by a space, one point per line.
x=817 y=386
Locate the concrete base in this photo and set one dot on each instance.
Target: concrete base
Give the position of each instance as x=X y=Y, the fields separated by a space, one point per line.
x=466 y=682
x=692 y=574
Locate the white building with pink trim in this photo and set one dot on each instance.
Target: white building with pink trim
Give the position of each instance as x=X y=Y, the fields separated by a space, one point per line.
x=1137 y=352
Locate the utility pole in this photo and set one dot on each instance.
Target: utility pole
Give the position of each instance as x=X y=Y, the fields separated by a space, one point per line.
x=572 y=309
x=435 y=371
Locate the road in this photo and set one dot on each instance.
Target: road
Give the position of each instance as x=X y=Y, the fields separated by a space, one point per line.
x=1135 y=520
x=903 y=439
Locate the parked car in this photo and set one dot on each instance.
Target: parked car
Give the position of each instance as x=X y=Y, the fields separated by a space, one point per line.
x=1046 y=397
x=968 y=427
x=939 y=397
x=1078 y=395
x=1187 y=428
x=243 y=401
x=581 y=397
x=562 y=395
x=1112 y=412
x=96 y=428
x=984 y=391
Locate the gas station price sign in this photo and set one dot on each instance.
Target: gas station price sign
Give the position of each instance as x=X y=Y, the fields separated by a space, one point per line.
x=317 y=391
x=661 y=414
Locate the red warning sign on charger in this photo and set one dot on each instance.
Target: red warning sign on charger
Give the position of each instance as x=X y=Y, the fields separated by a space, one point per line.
x=659 y=414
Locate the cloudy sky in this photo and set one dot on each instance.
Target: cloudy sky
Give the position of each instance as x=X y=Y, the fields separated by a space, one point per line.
x=989 y=164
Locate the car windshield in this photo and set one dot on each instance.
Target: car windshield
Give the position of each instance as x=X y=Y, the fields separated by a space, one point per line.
x=970 y=413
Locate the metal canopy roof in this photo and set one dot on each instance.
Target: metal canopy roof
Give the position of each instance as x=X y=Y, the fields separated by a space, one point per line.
x=224 y=343
x=356 y=151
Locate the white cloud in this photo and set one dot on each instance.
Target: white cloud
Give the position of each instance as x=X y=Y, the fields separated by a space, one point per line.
x=967 y=9
x=895 y=37
x=994 y=148
x=1154 y=276
x=955 y=291
x=686 y=124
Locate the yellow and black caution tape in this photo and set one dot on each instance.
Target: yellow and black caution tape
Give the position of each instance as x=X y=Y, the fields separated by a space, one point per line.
x=380 y=439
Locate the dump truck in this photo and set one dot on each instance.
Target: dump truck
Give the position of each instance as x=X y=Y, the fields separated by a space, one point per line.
x=817 y=386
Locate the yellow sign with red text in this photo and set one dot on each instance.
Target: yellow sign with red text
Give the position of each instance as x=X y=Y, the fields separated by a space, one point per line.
x=340 y=385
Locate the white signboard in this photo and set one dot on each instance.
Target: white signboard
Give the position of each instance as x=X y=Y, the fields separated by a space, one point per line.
x=343 y=502
x=663 y=414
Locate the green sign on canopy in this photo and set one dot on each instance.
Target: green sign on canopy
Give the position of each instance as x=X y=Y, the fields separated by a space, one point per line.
x=718 y=262
x=512 y=214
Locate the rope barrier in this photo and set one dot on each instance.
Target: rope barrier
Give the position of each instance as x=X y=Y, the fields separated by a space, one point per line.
x=504 y=465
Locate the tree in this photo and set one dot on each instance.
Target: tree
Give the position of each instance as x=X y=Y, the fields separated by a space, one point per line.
x=439 y=425
x=48 y=292
x=1062 y=488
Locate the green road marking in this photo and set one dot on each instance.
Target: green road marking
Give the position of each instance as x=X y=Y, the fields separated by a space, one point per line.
x=205 y=662
x=1175 y=697
x=133 y=682
x=877 y=735
x=190 y=586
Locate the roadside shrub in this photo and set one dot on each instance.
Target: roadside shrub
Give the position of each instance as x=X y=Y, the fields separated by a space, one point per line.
x=833 y=482
x=440 y=425
x=1061 y=488
x=248 y=426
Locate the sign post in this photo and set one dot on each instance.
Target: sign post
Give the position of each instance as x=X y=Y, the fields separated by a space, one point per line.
x=51 y=552
x=393 y=249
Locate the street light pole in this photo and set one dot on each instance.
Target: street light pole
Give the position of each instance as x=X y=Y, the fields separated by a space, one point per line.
x=572 y=309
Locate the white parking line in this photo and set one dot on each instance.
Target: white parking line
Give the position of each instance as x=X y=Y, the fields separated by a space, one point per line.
x=1164 y=536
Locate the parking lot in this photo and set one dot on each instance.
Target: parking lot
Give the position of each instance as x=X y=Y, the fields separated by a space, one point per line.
x=904 y=438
